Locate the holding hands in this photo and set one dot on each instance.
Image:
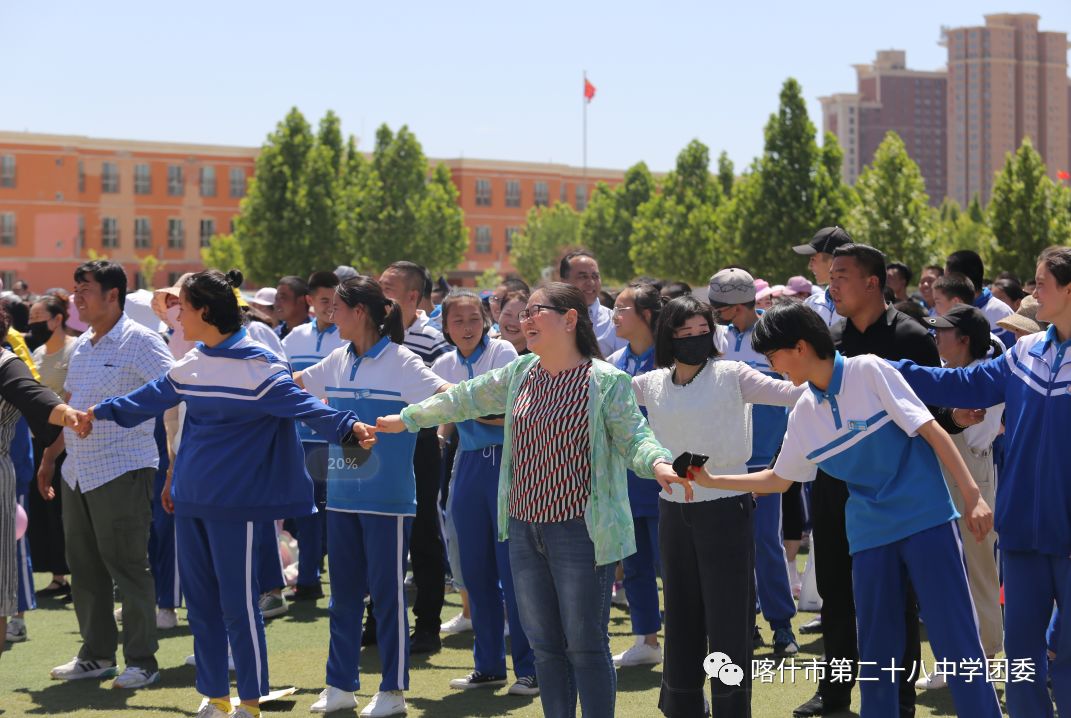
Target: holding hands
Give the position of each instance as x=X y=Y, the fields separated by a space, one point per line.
x=392 y=424
x=80 y=421
x=365 y=434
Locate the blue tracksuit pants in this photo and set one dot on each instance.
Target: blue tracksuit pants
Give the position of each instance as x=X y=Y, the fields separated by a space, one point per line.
x=217 y=560
x=163 y=559
x=641 y=577
x=366 y=554
x=771 y=569
x=27 y=598
x=311 y=528
x=1032 y=583
x=485 y=564
x=932 y=560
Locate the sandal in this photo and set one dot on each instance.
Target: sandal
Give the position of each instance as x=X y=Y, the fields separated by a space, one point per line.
x=56 y=588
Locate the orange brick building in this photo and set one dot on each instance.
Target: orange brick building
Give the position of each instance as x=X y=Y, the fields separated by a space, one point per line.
x=62 y=196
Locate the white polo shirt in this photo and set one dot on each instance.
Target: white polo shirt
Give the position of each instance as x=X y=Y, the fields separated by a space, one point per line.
x=822 y=303
x=305 y=346
x=864 y=431
x=454 y=368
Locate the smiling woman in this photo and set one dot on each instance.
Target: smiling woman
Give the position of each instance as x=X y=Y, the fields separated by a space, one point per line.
x=571 y=428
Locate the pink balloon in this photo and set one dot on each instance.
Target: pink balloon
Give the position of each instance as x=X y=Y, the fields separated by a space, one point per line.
x=21 y=520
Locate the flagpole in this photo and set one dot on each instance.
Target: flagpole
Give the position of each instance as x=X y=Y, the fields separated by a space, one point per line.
x=584 y=99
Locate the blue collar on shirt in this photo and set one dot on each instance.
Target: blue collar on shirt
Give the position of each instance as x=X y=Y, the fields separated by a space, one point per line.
x=983 y=299
x=372 y=353
x=317 y=333
x=642 y=363
x=470 y=361
x=1051 y=340
x=831 y=393
x=225 y=344
x=739 y=335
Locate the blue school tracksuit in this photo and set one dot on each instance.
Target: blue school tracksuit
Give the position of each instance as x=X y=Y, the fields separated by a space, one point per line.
x=370 y=507
x=485 y=565
x=22 y=458
x=641 y=569
x=305 y=346
x=163 y=559
x=1033 y=511
x=240 y=463
x=768 y=425
x=900 y=522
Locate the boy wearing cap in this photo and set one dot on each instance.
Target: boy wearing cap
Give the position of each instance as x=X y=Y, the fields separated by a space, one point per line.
x=963 y=340
x=861 y=422
x=820 y=250
x=732 y=296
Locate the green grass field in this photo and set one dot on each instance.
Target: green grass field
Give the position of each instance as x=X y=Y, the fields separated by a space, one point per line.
x=297 y=647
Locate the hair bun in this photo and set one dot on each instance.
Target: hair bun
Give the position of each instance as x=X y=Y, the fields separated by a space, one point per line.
x=235 y=278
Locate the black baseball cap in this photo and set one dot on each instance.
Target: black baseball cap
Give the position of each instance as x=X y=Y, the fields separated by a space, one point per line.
x=968 y=319
x=825 y=240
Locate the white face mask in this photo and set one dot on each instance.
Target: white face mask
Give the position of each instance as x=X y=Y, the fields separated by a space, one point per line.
x=171 y=317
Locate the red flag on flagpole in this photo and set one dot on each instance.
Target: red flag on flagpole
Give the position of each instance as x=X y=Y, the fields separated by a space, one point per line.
x=1063 y=175
x=589 y=90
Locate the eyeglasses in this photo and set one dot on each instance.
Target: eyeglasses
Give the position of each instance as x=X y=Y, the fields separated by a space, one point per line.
x=495 y=299
x=536 y=309
x=621 y=310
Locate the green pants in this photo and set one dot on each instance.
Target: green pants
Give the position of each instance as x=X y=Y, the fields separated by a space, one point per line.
x=107 y=536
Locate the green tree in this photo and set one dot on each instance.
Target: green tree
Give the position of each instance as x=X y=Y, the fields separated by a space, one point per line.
x=147 y=268
x=675 y=232
x=791 y=190
x=893 y=212
x=394 y=211
x=1025 y=211
x=288 y=223
x=726 y=175
x=488 y=279
x=606 y=225
x=834 y=199
x=224 y=253
x=547 y=232
x=955 y=229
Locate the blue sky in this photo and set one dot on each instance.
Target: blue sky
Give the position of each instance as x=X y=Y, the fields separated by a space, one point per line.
x=498 y=80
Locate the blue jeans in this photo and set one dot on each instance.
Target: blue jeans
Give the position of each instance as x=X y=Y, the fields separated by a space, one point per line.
x=564 y=602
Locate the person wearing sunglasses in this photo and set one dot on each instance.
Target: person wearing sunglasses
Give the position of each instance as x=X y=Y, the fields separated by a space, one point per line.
x=571 y=430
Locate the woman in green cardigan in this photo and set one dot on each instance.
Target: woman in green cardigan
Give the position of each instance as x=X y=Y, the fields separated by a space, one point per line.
x=572 y=428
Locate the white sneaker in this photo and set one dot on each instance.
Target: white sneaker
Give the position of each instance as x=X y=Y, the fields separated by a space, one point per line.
x=134 y=677
x=243 y=712
x=334 y=699
x=118 y=614
x=16 y=629
x=191 y=660
x=166 y=618
x=525 y=686
x=385 y=703
x=618 y=597
x=639 y=654
x=930 y=683
x=210 y=711
x=76 y=669
x=457 y=624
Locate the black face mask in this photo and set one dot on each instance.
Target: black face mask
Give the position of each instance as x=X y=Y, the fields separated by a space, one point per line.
x=693 y=350
x=39 y=334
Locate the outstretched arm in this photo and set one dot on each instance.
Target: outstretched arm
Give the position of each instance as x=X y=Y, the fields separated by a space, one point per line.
x=978 y=514
x=760 y=482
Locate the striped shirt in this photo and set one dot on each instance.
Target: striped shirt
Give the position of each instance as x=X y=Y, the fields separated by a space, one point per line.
x=424 y=340
x=552 y=446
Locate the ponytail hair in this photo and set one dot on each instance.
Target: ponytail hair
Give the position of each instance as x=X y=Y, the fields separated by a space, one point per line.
x=566 y=296
x=384 y=313
x=213 y=294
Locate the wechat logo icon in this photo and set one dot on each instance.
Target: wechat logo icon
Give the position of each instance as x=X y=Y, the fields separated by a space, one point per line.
x=720 y=667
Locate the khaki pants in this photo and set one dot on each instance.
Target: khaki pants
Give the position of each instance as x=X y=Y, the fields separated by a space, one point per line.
x=107 y=536
x=981 y=562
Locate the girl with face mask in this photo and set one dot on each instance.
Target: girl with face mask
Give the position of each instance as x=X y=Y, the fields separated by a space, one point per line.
x=48 y=329
x=698 y=403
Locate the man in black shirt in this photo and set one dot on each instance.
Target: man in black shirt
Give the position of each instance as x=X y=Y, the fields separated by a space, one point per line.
x=857 y=284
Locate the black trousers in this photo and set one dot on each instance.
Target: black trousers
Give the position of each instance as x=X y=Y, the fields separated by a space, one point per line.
x=427 y=552
x=833 y=570
x=48 y=550
x=708 y=568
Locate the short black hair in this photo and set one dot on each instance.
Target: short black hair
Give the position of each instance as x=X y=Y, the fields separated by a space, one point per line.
x=675 y=314
x=870 y=260
x=212 y=292
x=1010 y=287
x=914 y=310
x=297 y=285
x=902 y=269
x=456 y=296
x=515 y=284
x=418 y=276
x=109 y=275
x=322 y=280
x=969 y=264
x=783 y=326
x=957 y=286
x=564 y=267
x=18 y=312
x=936 y=268
x=676 y=289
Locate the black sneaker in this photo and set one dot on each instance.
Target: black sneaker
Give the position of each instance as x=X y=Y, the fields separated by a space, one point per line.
x=478 y=680
x=424 y=642
x=756 y=638
x=525 y=686
x=818 y=707
x=311 y=592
